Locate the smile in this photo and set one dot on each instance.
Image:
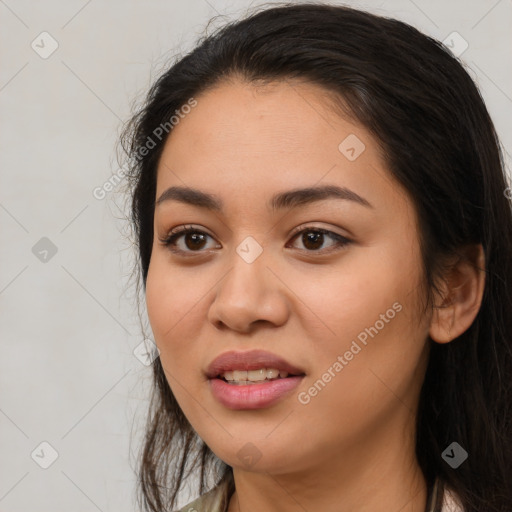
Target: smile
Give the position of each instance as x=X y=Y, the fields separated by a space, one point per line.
x=251 y=380
x=253 y=376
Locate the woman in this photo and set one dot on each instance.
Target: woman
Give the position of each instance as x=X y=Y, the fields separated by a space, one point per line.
x=325 y=242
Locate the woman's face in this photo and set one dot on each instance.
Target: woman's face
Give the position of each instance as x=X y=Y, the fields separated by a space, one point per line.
x=340 y=314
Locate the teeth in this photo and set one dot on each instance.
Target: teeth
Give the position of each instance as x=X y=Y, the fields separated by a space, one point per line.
x=254 y=375
x=239 y=375
x=257 y=375
x=272 y=373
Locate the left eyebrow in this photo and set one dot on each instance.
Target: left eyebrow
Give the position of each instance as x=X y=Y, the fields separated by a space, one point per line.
x=283 y=200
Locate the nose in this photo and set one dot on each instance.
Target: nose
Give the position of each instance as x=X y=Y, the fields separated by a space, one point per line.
x=249 y=294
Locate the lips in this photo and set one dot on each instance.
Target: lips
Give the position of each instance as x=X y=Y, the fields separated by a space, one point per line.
x=252 y=395
x=250 y=360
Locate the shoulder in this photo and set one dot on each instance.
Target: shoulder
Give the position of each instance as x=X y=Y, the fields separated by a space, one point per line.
x=212 y=501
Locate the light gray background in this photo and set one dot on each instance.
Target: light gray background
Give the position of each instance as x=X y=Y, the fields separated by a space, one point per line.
x=69 y=325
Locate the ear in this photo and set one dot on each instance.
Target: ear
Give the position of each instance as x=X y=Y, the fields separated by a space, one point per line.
x=462 y=294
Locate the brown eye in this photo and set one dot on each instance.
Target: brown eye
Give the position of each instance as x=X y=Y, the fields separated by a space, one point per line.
x=194 y=240
x=313 y=239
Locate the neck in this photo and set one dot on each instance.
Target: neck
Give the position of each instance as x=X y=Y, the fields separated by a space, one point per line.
x=380 y=476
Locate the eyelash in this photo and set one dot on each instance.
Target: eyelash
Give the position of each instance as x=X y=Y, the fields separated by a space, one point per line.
x=170 y=240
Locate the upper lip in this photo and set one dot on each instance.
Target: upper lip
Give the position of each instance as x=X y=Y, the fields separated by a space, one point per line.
x=250 y=360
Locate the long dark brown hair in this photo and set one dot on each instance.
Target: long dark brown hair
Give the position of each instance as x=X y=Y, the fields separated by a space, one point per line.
x=439 y=142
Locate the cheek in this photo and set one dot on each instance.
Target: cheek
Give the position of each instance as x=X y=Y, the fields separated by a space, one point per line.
x=169 y=297
x=167 y=304
x=175 y=306
x=170 y=311
x=372 y=315
x=352 y=300
x=159 y=301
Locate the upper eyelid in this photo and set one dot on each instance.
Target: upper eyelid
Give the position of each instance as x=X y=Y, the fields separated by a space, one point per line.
x=184 y=228
x=307 y=225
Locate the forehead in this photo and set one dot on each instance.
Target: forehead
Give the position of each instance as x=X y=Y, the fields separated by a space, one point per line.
x=241 y=138
x=284 y=115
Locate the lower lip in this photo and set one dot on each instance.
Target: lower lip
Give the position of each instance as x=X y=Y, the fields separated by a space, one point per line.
x=252 y=396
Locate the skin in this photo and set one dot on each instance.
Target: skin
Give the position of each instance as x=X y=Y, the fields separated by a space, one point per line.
x=351 y=448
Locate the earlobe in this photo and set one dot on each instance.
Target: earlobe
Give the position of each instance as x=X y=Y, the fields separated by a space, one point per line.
x=463 y=290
